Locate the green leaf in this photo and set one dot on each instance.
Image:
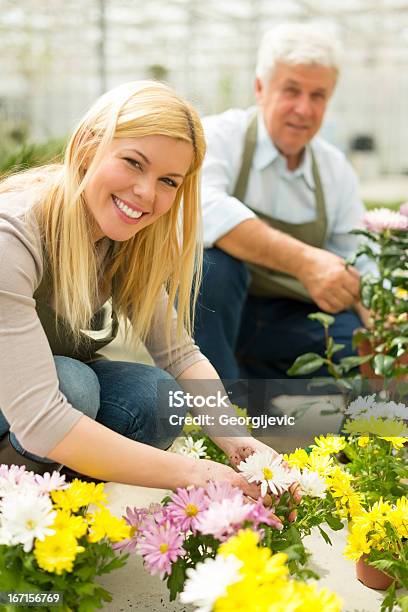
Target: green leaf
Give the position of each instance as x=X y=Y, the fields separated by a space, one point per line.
x=323 y=318
x=305 y=364
x=347 y=363
x=324 y=535
x=175 y=581
x=334 y=522
x=383 y=365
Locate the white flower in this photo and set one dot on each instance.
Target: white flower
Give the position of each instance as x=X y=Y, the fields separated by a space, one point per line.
x=209 y=580
x=223 y=516
x=268 y=469
x=25 y=516
x=50 y=482
x=310 y=483
x=14 y=478
x=195 y=449
x=367 y=407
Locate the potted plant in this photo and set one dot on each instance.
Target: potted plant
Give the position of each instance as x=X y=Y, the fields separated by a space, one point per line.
x=385 y=293
x=51 y=546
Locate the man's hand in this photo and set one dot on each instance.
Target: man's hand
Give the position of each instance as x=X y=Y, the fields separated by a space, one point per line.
x=330 y=284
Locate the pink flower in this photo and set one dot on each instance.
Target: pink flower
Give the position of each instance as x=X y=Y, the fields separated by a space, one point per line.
x=223 y=518
x=186 y=506
x=50 y=482
x=381 y=219
x=13 y=477
x=162 y=546
x=136 y=519
x=404 y=209
x=259 y=514
x=217 y=491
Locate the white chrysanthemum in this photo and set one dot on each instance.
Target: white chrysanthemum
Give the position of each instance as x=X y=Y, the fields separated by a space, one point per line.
x=268 y=469
x=209 y=580
x=26 y=516
x=223 y=516
x=195 y=449
x=367 y=407
x=310 y=483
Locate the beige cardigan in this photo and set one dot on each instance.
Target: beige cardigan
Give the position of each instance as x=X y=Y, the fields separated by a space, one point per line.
x=30 y=399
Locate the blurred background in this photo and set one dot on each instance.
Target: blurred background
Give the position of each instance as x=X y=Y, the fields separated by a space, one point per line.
x=59 y=55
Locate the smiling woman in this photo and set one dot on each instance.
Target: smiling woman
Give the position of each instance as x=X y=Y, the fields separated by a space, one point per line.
x=106 y=224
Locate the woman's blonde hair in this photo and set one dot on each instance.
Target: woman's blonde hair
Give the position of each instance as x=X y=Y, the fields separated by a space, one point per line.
x=165 y=254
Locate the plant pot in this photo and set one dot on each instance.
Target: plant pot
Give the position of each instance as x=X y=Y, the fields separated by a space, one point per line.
x=371 y=577
x=364 y=348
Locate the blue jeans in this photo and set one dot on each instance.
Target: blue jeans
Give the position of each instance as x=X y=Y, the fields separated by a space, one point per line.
x=121 y=395
x=251 y=337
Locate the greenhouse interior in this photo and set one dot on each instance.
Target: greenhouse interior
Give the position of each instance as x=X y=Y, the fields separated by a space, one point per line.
x=331 y=533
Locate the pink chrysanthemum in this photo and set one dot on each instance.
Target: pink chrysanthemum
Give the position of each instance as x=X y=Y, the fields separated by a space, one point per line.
x=136 y=519
x=13 y=477
x=381 y=219
x=217 y=491
x=404 y=209
x=259 y=514
x=185 y=507
x=224 y=518
x=162 y=546
x=50 y=482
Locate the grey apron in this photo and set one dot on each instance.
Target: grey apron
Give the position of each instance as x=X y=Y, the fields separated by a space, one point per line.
x=267 y=282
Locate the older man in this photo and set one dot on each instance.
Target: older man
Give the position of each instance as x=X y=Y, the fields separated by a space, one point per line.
x=278 y=207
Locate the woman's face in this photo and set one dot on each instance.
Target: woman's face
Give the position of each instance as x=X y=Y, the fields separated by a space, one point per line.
x=135 y=183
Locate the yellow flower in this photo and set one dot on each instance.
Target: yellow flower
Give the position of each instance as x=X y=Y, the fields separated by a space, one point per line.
x=357 y=543
x=314 y=600
x=104 y=524
x=241 y=545
x=376 y=426
x=298 y=458
x=320 y=463
x=247 y=596
x=76 y=525
x=78 y=495
x=329 y=445
x=57 y=553
x=401 y=293
x=396 y=441
x=259 y=563
x=398 y=517
x=363 y=441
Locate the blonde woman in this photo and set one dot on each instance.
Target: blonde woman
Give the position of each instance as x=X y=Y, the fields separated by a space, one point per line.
x=105 y=225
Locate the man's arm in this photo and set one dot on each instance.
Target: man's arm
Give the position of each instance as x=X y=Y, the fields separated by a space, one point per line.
x=324 y=275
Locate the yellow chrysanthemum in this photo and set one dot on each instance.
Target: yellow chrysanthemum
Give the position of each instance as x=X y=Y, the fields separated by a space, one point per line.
x=315 y=600
x=396 y=441
x=298 y=458
x=78 y=495
x=329 y=445
x=247 y=596
x=58 y=552
x=398 y=517
x=258 y=562
x=377 y=426
x=76 y=525
x=241 y=545
x=357 y=544
x=363 y=441
x=103 y=524
x=320 y=463
x=401 y=293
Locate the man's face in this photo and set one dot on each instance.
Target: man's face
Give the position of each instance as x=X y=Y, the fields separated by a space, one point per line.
x=293 y=104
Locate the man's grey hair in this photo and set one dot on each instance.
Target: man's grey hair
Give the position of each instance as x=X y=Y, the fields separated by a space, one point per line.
x=296 y=43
